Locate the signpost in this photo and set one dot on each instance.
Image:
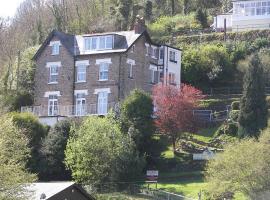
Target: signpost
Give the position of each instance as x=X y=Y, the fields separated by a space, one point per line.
x=152 y=177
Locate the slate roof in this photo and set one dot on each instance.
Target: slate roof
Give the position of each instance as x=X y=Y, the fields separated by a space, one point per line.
x=75 y=43
x=50 y=189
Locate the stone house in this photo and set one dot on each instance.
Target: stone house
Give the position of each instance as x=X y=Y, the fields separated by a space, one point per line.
x=78 y=75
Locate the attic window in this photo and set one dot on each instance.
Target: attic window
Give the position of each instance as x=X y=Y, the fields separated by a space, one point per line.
x=55 y=47
x=98 y=43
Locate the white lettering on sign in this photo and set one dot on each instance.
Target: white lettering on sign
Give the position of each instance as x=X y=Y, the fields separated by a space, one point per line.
x=151 y=173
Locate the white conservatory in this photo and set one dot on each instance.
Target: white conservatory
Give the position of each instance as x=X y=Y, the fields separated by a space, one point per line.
x=245 y=15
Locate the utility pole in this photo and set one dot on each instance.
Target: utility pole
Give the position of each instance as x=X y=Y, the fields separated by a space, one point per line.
x=225 y=30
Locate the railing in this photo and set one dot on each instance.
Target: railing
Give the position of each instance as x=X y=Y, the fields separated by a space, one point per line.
x=228 y=91
x=69 y=110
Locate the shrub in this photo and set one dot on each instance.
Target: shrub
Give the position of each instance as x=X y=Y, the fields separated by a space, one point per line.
x=137 y=121
x=228 y=128
x=53 y=151
x=98 y=152
x=234 y=114
x=35 y=132
x=235 y=105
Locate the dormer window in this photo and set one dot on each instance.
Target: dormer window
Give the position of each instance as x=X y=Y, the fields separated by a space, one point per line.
x=55 y=47
x=98 y=43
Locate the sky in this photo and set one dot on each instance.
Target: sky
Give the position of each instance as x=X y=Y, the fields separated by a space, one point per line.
x=8 y=7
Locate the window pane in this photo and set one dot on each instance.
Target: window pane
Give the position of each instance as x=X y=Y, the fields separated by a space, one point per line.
x=93 y=43
x=55 y=49
x=103 y=71
x=101 y=42
x=87 y=42
x=109 y=42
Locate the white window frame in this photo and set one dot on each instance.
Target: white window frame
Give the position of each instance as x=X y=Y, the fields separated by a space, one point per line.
x=154 y=52
x=55 y=47
x=101 y=63
x=53 y=107
x=172 y=56
x=53 y=73
x=81 y=72
x=88 y=43
x=102 y=105
x=51 y=65
x=103 y=71
x=172 y=80
x=147 y=46
x=105 y=92
x=130 y=63
x=252 y=8
x=80 y=107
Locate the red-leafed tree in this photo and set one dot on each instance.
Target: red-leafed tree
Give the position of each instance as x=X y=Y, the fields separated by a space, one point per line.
x=174 y=109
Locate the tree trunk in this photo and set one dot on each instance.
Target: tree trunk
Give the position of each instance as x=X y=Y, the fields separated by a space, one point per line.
x=174 y=144
x=172 y=7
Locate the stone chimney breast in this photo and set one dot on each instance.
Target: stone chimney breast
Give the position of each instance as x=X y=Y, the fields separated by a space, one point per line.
x=139 y=25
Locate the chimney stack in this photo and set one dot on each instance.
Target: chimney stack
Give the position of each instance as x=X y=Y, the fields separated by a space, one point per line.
x=139 y=25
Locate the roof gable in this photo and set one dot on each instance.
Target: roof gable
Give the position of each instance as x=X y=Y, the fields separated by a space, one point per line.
x=66 y=40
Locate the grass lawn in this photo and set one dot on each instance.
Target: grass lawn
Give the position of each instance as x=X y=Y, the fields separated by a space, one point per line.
x=205 y=135
x=120 y=196
x=189 y=188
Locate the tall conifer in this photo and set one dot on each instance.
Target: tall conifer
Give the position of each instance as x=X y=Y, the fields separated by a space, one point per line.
x=253 y=108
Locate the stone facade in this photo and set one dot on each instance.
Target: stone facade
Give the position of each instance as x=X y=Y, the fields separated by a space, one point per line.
x=119 y=83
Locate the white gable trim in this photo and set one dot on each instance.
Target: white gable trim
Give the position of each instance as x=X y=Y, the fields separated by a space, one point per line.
x=82 y=62
x=130 y=61
x=47 y=94
x=80 y=92
x=108 y=90
x=49 y=64
x=105 y=60
x=55 y=42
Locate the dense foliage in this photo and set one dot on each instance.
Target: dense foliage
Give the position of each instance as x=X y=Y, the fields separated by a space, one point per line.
x=98 y=152
x=53 y=152
x=242 y=167
x=253 y=108
x=207 y=65
x=136 y=120
x=14 y=154
x=34 y=131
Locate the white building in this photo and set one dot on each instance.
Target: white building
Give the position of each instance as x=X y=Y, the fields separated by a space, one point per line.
x=245 y=15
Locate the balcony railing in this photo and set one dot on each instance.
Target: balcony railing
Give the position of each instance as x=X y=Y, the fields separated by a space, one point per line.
x=69 y=110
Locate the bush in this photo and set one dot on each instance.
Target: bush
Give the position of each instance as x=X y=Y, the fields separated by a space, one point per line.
x=235 y=105
x=242 y=167
x=35 y=132
x=98 y=152
x=53 y=152
x=137 y=121
x=227 y=128
x=234 y=114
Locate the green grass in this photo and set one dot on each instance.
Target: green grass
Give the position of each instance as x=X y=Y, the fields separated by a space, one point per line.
x=189 y=188
x=120 y=196
x=205 y=135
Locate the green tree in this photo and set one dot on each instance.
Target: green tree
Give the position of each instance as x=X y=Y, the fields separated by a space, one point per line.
x=253 y=107
x=148 y=11
x=242 y=167
x=99 y=152
x=136 y=116
x=14 y=153
x=34 y=131
x=53 y=151
x=123 y=13
x=201 y=17
x=207 y=65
